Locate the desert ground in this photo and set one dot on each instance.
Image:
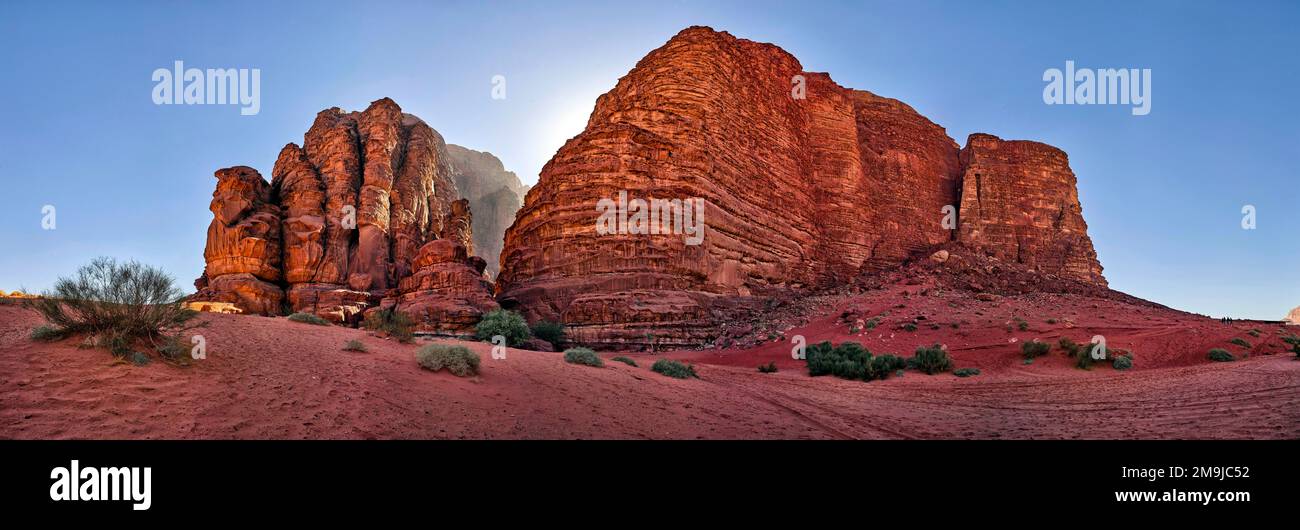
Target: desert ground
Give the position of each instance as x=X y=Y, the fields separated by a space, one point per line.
x=272 y=378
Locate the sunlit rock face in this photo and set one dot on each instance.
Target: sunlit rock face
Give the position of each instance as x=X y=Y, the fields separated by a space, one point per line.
x=342 y=222
x=494 y=196
x=806 y=184
x=1293 y=317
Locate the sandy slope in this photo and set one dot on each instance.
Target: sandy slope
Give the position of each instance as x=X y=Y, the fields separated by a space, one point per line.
x=271 y=378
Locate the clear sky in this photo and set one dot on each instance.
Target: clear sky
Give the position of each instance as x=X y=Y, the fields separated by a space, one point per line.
x=1162 y=193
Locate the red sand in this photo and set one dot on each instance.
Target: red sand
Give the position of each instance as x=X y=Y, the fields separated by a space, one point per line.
x=272 y=378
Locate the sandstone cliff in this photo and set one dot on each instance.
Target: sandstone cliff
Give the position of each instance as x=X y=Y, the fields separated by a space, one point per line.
x=346 y=223
x=803 y=189
x=494 y=195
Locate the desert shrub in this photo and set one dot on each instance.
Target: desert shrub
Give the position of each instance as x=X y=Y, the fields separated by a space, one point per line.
x=138 y=358
x=848 y=360
x=389 y=320
x=552 y=332
x=1069 y=347
x=1034 y=348
x=1123 y=362
x=882 y=365
x=174 y=349
x=355 y=345
x=674 y=369
x=1221 y=355
x=910 y=326
x=1294 y=341
x=456 y=359
x=1083 y=358
x=308 y=318
x=966 y=372
x=1253 y=333
x=1240 y=342
x=873 y=322
x=508 y=324
x=130 y=301
x=624 y=360
x=48 y=333
x=930 y=359
x=1027 y=361
x=1051 y=321
x=583 y=356
x=1021 y=324
x=769 y=368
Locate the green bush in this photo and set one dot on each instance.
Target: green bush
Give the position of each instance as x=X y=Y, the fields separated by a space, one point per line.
x=1294 y=341
x=48 y=333
x=355 y=345
x=769 y=368
x=1083 y=358
x=1253 y=333
x=848 y=360
x=931 y=360
x=624 y=360
x=1240 y=342
x=1027 y=361
x=128 y=301
x=675 y=369
x=456 y=359
x=1051 y=321
x=1033 y=348
x=508 y=324
x=1069 y=347
x=1123 y=362
x=389 y=320
x=582 y=356
x=308 y=318
x=1021 y=324
x=1221 y=355
x=552 y=332
x=966 y=372
x=882 y=365
x=873 y=322
x=910 y=326
x=175 y=349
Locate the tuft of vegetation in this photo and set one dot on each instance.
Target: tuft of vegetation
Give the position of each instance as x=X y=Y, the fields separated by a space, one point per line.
x=1240 y=342
x=1027 y=361
x=882 y=365
x=625 y=360
x=873 y=322
x=674 y=369
x=1220 y=355
x=508 y=324
x=308 y=318
x=1021 y=324
x=931 y=360
x=48 y=333
x=1069 y=347
x=121 y=303
x=769 y=368
x=848 y=360
x=1123 y=362
x=1034 y=348
x=1253 y=333
x=1051 y=321
x=355 y=345
x=456 y=359
x=1083 y=358
x=966 y=372
x=584 y=356
x=1294 y=341
x=910 y=326
x=552 y=332
x=395 y=323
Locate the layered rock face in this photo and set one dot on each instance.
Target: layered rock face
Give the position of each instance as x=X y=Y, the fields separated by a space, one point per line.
x=343 y=224
x=1019 y=203
x=1293 y=317
x=494 y=196
x=806 y=184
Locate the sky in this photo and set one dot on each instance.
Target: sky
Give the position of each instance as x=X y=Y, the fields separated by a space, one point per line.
x=1162 y=193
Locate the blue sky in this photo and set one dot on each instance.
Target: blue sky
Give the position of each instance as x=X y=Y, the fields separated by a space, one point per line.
x=1162 y=193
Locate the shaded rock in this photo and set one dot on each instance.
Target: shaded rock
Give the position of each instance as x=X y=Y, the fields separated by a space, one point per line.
x=494 y=195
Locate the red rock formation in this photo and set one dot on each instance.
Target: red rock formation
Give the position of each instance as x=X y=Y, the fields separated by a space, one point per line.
x=1293 y=317
x=1019 y=204
x=356 y=204
x=494 y=195
x=801 y=193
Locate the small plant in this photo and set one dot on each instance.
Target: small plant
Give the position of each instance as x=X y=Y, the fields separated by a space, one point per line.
x=552 y=332
x=1069 y=347
x=966 y=372
x=1021 y=324
x=456 y=359
x=393 y=322
x=355 y=345
x=48 y=333
x=625 y=360
x=308 y=318
x=1051 y=321
x=931 y=360
x=1253 y=333
x=769 y=368
x=1240 y=342
x=910 y=326
x=1294 y=341
x=1033 y=348
x=1027 y=361
x=873 y=322
x=508 y=324
x=1220 y=355
x=882 y=365
x=582 y=356
x=674 y=369
x=1123 y=362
